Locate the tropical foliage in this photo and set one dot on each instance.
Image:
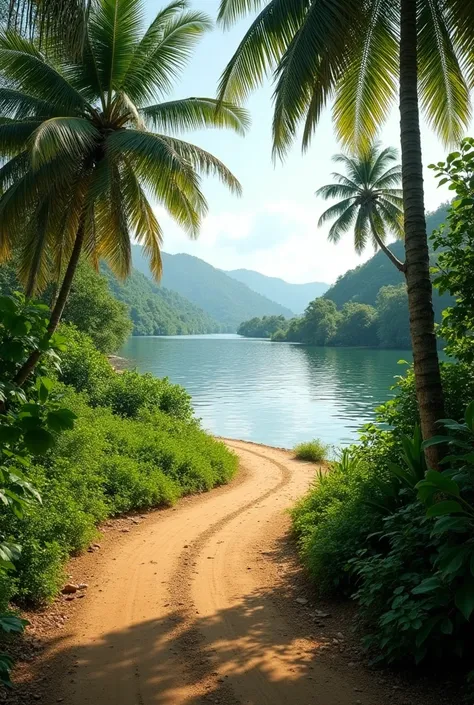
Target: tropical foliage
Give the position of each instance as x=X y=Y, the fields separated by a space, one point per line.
x=29 y=428
x=92 y=124
x=370 y=202
x=397 y=537
x=455 y=243
x=263 y=327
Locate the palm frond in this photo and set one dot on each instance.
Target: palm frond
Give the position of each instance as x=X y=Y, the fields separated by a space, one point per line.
x=393 y=217
x=342 y=225
x=23 y=66
x=204 y=162
x=196 y=113
x=145 y=225
x=362 y=229
x=392 y=177
x=113 y=32
x=381 y=160
x=262 y=47
x=336 y=191
x=14 y=169
x=33 y=254
x=337 y=210
x=163 y=52
x=444 y=92
x=68 y=138
x=319 y=51
x=231 y=10
x=21 y=106
x=170 y=176
x=15 y=135
x=366 y=89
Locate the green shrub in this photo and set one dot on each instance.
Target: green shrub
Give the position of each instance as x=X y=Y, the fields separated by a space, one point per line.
x=87 y=370
x=332 y=522
x=315 y=451
x=105 y=466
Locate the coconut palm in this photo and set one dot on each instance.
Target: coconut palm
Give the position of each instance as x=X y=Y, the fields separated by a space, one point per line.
x=370 y=201
x=363 y=54
x=83 y=144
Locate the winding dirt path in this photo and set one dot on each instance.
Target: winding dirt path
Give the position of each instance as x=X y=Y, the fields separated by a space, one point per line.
x=197 y=605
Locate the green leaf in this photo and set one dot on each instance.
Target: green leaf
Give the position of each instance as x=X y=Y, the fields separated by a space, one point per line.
x=427 y=585
x=464 y=598
x=447 y=507
x=61 y=419
x=446 y=626
x=11 y=624
x=442 y=482
x=450 y=523
x=38 y=441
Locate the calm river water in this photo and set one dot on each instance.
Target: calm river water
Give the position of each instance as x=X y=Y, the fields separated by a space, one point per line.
x=273 y=393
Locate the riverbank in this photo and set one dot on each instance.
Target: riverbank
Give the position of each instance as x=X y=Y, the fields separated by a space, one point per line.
x=205 y=602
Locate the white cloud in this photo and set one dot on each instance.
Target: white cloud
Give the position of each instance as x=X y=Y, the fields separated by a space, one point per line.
x=277 y=238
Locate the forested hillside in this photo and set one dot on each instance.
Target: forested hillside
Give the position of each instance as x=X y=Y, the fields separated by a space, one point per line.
x=228 y=301
x=294 y=296
x=363 y=283
x=155 y=310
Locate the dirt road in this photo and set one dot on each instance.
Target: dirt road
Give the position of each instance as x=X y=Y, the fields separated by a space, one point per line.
x=197 y=605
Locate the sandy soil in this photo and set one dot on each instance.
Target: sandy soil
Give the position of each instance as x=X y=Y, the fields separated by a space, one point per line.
x=206 y=603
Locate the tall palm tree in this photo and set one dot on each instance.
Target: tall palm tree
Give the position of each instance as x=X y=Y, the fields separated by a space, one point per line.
x=80 y=151
x=364 y=53
x=370 y=202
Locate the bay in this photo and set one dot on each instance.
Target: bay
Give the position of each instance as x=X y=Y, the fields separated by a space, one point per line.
x=274 y=393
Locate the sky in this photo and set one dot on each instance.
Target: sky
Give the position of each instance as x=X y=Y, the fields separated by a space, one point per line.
x=272 y=228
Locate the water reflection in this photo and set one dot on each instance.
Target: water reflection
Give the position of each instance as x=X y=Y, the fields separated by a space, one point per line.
x=272 y=393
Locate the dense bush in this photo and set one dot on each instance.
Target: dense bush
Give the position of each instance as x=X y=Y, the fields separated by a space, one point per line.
x=331 y=522
x=31 y=420
x=87 y=370
x=364 y=529
x=105 y=466
x=315 y=451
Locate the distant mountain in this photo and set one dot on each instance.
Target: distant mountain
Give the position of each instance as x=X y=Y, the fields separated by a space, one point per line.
x=362 y=284
x=294 y=296
x=155 y=310
x=223 y=298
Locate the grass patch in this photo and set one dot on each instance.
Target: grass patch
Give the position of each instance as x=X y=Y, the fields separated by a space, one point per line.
x=315 y=451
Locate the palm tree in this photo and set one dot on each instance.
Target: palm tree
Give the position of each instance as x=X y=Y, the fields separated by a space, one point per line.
x=80 y=153
x=370 y=201
x=364 y=54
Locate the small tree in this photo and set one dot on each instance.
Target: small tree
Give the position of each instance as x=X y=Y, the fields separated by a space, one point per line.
x=371 y=202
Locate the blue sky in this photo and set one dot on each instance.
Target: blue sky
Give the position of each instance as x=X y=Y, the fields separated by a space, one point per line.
x=273 y=227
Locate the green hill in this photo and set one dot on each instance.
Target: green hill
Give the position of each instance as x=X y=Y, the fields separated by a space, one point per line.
x=363 y=283
x=226 y=300
x=294 y=296
x=155 y=310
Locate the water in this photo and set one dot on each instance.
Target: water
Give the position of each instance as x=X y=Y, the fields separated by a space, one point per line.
x=273 y=393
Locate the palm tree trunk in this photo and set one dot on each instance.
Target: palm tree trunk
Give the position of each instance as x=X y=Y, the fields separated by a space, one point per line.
x=28 y=367
x=399 y=265
x=420 y=292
